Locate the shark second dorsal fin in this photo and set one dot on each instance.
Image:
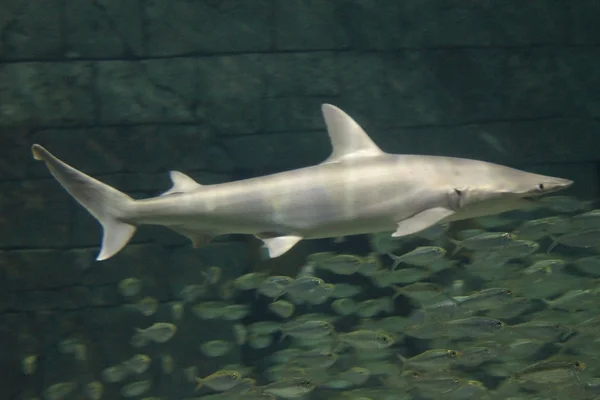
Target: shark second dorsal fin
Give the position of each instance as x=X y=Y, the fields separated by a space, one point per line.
x=181 y=183
x=348 y=139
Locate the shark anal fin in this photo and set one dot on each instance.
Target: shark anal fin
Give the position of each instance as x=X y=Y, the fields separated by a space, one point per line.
x=278 y=245
x=421 y=221
x=198 y=238
x=181 y=183
x=201 y=239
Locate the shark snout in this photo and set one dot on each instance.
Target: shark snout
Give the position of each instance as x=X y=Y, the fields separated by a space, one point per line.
x=563 y=183
x=556 y=184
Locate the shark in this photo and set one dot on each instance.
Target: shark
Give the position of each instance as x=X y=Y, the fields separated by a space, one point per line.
x=358 y=189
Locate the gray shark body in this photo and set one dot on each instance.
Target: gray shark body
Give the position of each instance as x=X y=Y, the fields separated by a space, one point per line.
x=358 y=189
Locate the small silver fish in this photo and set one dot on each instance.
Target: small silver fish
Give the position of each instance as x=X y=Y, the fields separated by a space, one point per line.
x=480 y=353
x=138 y=364
x=575 y=300
x=274 y=286
x=587 y=220
x=486 y=299
x=387 y=278
x=419 y=291
x=421 y=256
x=373 y=307
x=485 y=242
x=564 y=204
x=341 y=264
x=511 y=309
x=540 y=228
x=257 y=342
x=517 y=249
x=551 y=372
x=290 y=388
x=315 y=359
x=344 y=306
x=303 y=285
x=367 y=339
x=94 y=390
x=159 y=332
x=355 y=375
x=474 y=327
x=221 y=380
x=585 y=239
x=307 y=329
x=59 y=391
x=249 y=281
x=190 y=293
x=369 y=265
x=235 y=312
x=432 y=360
x=541 y=330
x=588 y=265
x=282 y=308
x=215 y=348
x=134 y=389
x=130 y=287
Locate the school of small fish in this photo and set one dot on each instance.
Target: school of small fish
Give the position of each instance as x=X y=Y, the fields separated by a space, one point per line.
x=506 y=309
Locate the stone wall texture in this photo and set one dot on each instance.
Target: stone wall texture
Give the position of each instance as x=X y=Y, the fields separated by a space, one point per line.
x=127 y=90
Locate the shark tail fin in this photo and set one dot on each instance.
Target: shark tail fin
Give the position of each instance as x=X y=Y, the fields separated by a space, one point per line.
x=105 y=203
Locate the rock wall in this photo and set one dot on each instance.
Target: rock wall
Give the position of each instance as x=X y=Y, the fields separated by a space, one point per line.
x=126 y=90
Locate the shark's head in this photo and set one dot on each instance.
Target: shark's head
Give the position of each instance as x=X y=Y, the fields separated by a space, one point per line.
x=496 y=188
x=517 y=183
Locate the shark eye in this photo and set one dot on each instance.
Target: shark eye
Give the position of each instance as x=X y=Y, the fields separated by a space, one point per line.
x=541 y=186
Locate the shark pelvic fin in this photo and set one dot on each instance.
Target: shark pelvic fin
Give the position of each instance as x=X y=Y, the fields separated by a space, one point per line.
x=181 y=183
x=278 y=245
x=348 y=139
x=421 y=221
x=108 y=205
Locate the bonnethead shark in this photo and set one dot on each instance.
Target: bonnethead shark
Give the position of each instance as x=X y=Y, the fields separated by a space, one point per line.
x=359 y=189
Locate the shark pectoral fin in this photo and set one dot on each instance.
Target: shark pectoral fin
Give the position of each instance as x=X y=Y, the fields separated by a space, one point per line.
x=181 y=183
x=421 y=221
x=278 y=245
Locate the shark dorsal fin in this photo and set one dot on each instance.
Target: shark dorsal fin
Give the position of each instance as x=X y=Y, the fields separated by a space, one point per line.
x=181 y=183
x=348 y=139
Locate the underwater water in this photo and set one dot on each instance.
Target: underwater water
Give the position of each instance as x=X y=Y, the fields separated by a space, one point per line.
x=492 y=308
